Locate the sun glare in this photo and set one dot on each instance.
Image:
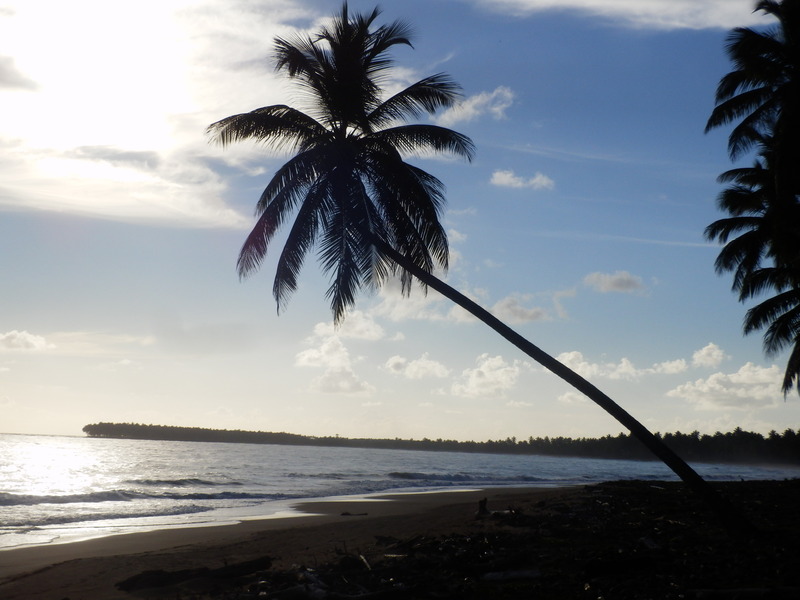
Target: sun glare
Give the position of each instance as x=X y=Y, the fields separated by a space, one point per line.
x=49 y=468
x=108 y=73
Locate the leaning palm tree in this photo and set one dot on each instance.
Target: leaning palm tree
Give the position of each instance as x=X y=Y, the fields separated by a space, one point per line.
x=368 y=212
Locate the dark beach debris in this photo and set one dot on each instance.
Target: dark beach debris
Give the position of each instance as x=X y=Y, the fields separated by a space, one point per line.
x=749 y=594
x=621 y=540
x=159 y=578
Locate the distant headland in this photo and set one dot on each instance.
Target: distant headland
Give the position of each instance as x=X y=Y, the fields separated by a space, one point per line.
x=737 y=446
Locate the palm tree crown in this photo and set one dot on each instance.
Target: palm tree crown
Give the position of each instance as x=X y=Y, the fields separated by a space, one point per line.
x=348 y=182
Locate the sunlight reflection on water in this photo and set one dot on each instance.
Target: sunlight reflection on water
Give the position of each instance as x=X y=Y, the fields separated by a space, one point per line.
x=56 y=489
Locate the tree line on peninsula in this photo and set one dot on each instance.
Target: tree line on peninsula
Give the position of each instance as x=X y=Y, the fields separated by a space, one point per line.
x=737 y=446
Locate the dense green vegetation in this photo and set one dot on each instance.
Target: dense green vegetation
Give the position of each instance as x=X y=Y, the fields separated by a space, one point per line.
x=737 y=446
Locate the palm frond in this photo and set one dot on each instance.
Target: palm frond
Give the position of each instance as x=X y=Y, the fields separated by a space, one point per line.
x=739 y=200
x=423 y=97
x=410 y=201
x=279 y=125
x=738 y=106
x=767 y=311
x=791 y=375
x=782 y=332
x=420 y=138
x=295 y=176
x=345 y=249
x=753 y=128
x=287 y=190
x=722 y=229
x=299 y=242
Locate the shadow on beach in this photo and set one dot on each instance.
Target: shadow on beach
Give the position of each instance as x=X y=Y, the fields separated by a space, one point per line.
x=623 y=540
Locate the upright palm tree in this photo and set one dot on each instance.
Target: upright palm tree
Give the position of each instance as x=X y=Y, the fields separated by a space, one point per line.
x=763 y=94
x=369 y=213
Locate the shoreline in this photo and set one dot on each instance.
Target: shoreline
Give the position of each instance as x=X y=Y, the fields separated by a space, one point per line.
x=344 y=516
x=623 y=539
x=281 y=510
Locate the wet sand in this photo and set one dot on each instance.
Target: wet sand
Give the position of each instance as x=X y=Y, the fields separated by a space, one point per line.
x=622 y=540
x=90 y=569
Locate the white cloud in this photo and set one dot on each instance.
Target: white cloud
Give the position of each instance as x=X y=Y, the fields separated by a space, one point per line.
x=12 y=79
x=331 y=355
x=658 y=14
x=507 y=178
x=575 y=361
x=456 y=236
x=357 y=325
x=710 y=355
x=341 y=381
x=624 y=369
x=23 y=341
x=494 y=103
x=511 y=310
x=492 y=377
x=417 y=306
x=751 y=386
x=416 y=369
x=559 y=306
x=671 y=367
x=621 y=281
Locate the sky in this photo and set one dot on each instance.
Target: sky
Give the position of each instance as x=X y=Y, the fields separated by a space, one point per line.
x=579 y=222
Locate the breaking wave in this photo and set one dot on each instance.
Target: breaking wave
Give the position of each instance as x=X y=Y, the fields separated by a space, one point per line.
x=7 y=499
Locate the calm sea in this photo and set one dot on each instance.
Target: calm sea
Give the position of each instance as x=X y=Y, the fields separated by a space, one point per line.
x=61 y=489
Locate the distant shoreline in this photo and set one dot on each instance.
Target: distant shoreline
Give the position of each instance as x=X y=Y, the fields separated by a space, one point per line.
x=736 y=447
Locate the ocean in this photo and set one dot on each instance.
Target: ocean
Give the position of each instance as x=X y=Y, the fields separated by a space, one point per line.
x=60 y=489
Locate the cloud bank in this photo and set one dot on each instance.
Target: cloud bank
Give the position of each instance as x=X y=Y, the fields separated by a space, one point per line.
x=650 y=14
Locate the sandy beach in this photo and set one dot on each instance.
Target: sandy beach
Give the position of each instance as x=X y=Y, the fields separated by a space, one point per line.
x=636 y=539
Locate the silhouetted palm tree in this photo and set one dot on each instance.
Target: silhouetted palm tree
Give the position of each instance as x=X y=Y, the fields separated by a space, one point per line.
x=369 y=212
x=763 y=94
x=348 y=181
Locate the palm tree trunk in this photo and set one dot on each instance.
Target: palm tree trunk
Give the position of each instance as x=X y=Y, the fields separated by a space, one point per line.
x=731 y=518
